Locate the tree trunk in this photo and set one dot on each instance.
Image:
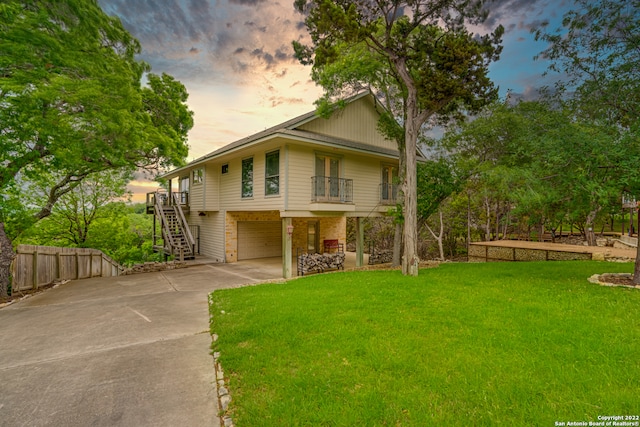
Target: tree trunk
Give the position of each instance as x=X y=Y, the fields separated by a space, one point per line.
x=6 y=257
x=636 y=269
x=410 y=260
x=589 y=232
x=468 y=221
x=438 y=237
x=397 y=237
x=487 y=235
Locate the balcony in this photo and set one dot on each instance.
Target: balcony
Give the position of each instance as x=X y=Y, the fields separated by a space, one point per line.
x=325 y=189
x=388 y=194
x=168 y=199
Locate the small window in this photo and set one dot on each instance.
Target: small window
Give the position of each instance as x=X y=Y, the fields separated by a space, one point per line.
x=225 y=168
x=198 y=176
x=247 y=177
x=272 y=174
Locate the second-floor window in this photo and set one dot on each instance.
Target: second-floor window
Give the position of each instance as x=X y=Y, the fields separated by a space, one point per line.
x=247 y=177
x=327 y=176
x=198 y=175
x=272 y=174
x=389 y=186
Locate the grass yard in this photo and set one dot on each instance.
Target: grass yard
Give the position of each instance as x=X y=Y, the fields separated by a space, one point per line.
x=514 y=344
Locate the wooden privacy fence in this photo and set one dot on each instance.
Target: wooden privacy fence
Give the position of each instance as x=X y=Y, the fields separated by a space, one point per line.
x=35 y=266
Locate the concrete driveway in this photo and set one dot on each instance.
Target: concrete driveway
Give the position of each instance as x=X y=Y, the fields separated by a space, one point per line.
x=123 y=351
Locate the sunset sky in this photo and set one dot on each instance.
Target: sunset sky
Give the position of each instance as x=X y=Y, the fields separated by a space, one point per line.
x=236 y=61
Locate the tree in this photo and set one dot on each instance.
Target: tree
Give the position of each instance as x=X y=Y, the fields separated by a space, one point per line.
x=71 y=101
x=440 y=68
x=436 y=182
x=554 y=164
x=596 y=52
x=74 y=216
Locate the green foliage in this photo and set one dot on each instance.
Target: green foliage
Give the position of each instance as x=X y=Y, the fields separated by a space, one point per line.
x=124 y=232
x=596 y=52
x=437 y=180
x=71 y=100
x=72 y=105
x=549 y=164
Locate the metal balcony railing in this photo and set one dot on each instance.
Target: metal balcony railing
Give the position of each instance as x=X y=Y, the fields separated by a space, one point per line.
x=331 y=190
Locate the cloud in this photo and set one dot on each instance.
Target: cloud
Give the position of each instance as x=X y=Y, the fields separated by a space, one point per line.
x=173 y=31
x=247 y=2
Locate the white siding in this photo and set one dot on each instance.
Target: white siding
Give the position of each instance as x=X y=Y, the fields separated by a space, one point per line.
x=211 y=187
x=196 y=191
x=365 y=171
x=211 y=233
x=301 y=169
x=230 y=183
x=358 y=121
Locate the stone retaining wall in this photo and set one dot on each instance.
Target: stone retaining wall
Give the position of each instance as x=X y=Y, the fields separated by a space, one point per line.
x=150 y=267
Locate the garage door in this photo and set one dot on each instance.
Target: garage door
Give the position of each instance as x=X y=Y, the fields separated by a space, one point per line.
x=259 y=239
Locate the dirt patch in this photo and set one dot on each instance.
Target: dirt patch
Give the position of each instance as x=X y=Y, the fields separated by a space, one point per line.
x=614 y=279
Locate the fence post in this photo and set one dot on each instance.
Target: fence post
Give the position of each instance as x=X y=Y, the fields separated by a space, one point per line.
x=59 y=266
x=77 y=265
x=35 y=269
x=90 y=264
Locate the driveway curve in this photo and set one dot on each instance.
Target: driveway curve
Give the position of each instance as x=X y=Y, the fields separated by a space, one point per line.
x=121 y=351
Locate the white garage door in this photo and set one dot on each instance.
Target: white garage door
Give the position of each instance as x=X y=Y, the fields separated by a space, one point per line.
x=259 y=239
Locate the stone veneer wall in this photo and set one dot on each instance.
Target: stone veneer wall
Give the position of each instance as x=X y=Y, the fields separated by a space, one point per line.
x=231 y=229
x=484 y=253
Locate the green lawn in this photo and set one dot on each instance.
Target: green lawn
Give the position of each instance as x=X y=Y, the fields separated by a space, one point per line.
x=512 y=344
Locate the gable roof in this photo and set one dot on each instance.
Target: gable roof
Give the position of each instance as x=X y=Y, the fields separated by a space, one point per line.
x=290 y=129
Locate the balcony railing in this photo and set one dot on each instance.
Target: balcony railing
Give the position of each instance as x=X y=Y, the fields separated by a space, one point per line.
x=167 y=199
x=326 y=189
x=388 y=194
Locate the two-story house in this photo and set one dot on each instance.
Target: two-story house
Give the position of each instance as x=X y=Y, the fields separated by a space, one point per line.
x=291 y=186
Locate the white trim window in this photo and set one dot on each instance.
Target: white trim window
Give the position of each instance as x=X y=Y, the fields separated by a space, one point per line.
x=272 y=174
x=198 y=176
x=247 y=178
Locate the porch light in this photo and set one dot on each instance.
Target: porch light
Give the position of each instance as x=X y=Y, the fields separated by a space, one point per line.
x=289 y=230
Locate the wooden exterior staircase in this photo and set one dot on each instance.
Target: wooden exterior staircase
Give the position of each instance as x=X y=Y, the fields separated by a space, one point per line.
x=177 y=239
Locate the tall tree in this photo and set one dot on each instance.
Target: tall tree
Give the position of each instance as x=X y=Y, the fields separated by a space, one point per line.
x=71 y=101
x=441 y=67
x=596 y=53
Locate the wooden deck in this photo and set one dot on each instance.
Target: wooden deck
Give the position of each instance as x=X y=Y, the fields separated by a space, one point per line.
x=516 y=250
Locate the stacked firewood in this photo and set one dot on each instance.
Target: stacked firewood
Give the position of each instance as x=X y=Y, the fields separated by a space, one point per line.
x=320 y=262
x=381 y=256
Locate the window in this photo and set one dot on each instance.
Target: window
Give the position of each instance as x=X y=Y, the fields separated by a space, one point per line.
x=389 y=186
x=247 y=177
x=272 y=174
x=183 y=190
x=198 y=175
x=328 y=173
x=225 y=168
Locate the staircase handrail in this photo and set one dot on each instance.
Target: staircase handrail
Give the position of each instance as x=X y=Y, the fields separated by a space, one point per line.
x=184 y=225
x=166 y=236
